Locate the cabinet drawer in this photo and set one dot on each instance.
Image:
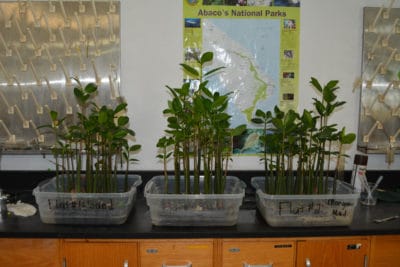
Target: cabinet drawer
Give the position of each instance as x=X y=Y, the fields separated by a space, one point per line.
x=23 y=252
x=333 y=252
x=155 y=253
x=258 y=252
x=385 y=251
x=98 y=253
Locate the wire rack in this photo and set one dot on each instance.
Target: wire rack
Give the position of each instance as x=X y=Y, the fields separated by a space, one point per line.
x=379 y=127
x=43 y=44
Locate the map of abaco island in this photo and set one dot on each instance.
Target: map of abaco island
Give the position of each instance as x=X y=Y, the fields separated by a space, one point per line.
x=258 y=43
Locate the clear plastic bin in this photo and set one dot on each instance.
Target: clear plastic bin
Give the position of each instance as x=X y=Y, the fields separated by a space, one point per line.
x=85 y=208
x=307 y=210
x=194 y=209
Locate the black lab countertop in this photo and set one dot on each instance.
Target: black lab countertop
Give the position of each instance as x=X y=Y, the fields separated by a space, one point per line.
x=138 y=225
x=250 y=224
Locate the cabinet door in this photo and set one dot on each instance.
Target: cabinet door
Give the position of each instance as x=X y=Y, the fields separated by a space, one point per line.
x=351 y=252
x=99 y=253
x=239 y=253
x=22 y=252
x=385 y=251
x=182 y=253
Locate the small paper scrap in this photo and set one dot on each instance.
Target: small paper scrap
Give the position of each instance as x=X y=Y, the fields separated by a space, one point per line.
x=21 y=209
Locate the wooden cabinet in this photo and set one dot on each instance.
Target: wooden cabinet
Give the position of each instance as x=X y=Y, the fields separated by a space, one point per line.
x=24 y=252
x=348 y=251
x=385 y=251
x=352 y=251
x=176 y=252
x=99 y=253
x=258 y=252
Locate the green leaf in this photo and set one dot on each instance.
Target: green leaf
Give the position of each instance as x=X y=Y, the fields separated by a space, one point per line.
x=120 y=134
x=78 y=93
x=239 y=130
x=190 y=70
x=161 y=142
x=206 y=91
x=316 y=84
x=277 y=123
x=290 y=117
x=346 y=138
x=103 y=116
x=123 y=120
x=278 y=113
x=257 y=120
x=208 y=73
x=131 y=132
x=260 y=113
x=329 y=96
x=176 y=105
x=120 y=107
x=172 y=91
x=185 y=90
x=307 y=119
x=53 y=115
x=206 y=57
x=135 y=148
x=90 y=88
x=219 y=101
x=222 y=117
x=320 y=107
x=332 y=85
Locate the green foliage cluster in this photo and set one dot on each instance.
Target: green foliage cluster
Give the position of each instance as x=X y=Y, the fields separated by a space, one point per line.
x=95 y=139
x=198 y=135
x=307 y=138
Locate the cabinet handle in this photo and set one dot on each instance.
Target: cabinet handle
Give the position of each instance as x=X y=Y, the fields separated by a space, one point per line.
x=257 y=265
x=234 y=250
x=366 y=261
x=189 y=264
x=308 y=262
x=126 y=263
x=151 y=251
x=354 y=246
x=64 y=262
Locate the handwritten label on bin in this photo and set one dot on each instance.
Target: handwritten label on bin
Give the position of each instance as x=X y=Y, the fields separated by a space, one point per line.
x=329 y=206
x=80 y=204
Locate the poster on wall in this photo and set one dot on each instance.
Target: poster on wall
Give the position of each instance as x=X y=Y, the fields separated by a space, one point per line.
x=258 y=43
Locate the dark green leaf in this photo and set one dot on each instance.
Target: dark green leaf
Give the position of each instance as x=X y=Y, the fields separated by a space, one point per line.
x=135 y=148
x=120 y=134
x=331 y=85
x=192 y=71
x=120 y=107
x=103 y=116
x=90 y=88
x=206 y=57
x=316 y=84
x=320 y=107
x=123 y=120
x=260 y=113
x=208 y=73
x=307 y=119
x=239 y=130
x=257 y=120
x=53 y=115
x=346 y=138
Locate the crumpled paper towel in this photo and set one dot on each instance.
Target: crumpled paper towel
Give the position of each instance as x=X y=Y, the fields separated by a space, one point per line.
x=21 y=209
